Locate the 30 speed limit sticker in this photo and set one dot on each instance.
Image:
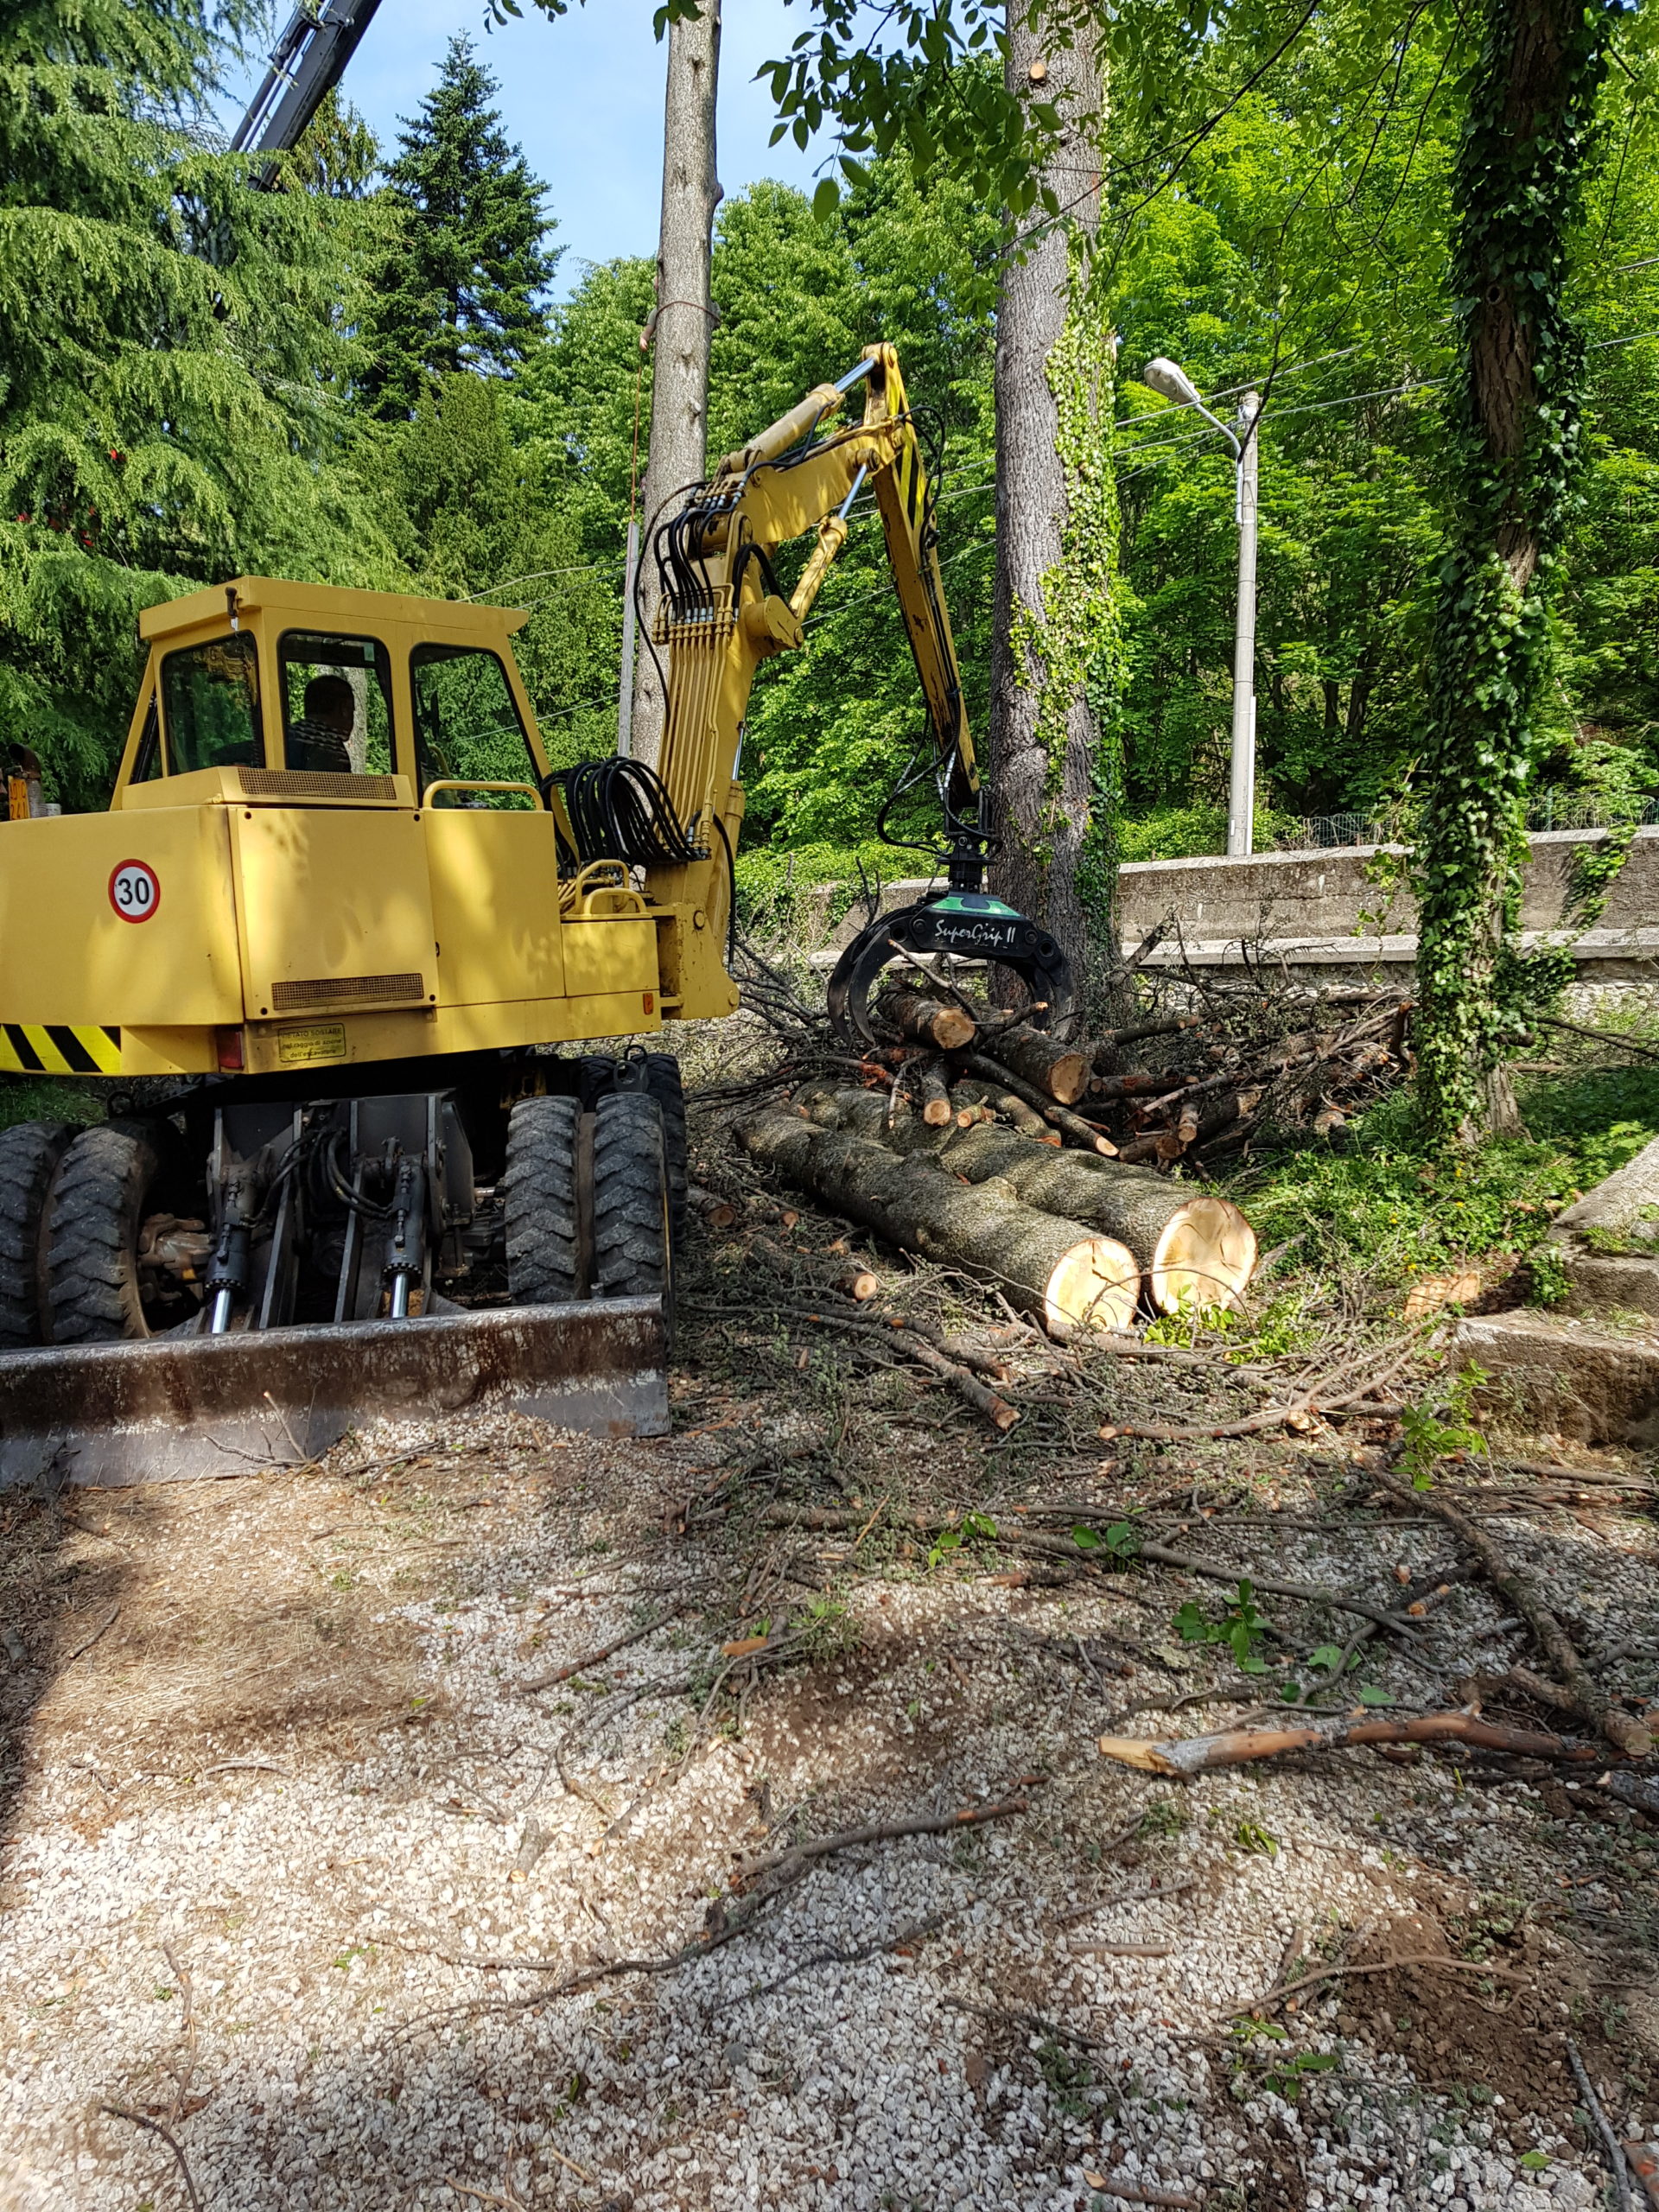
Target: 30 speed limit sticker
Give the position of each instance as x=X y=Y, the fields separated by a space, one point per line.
x=135 y=891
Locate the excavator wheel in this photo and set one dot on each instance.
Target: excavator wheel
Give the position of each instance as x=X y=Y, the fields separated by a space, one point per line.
x=106 y=1189
x=539 y=1198
x=29 y=1153
x=633 y=1244
x=597 y=1073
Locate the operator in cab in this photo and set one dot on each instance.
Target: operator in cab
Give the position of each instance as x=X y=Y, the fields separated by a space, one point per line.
x=318 y=740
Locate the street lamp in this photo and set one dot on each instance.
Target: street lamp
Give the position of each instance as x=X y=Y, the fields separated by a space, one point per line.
x=1173 y=383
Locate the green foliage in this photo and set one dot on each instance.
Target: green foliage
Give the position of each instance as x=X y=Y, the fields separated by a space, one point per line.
x=1548 y=1282
x=1436 y=1427
x=1240 y=1628
x=972 y=1529
x=1250 y=1835
x=1287 y=2081
x=173 y=367
x=1518 y=451
x=47 y=1098
x=1121 y=1541
x=461 y=284
x=1391 y=1203
x=1331 y=1663
x=482 y=522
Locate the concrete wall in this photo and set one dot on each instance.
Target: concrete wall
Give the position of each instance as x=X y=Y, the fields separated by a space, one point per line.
x=1327 y=894
x=1321 y=910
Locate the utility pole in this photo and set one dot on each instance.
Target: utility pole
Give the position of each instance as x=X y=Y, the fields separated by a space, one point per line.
x=680 y=326
x=1241 y=786
x=1171 y=380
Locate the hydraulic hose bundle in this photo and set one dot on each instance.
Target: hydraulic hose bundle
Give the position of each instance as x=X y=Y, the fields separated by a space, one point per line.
x=619 y=810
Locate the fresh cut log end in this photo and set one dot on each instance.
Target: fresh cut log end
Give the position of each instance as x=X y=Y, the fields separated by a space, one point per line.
x=927 y=1020
x=1206 y=1256
x=1096 y=1286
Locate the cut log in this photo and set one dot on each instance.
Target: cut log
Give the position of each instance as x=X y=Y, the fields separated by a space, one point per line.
x=1107 y=1047
x=1060 y=1072
x=1130 y=1084
x=926 y=1021
x=1012 y=1107
x=1058 y=1271
x=935 y=1094
x=1195 y=1248
x=1048 y=1110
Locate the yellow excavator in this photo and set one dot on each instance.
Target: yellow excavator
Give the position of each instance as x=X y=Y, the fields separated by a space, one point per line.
x=328 y=948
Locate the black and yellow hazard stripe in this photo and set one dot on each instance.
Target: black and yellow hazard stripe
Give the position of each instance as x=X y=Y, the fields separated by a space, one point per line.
x=59 y=1048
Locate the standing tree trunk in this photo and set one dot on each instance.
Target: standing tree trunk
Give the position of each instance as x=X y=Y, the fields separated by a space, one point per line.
x=1053 y=638
x=1520 y=166
x=681 y=322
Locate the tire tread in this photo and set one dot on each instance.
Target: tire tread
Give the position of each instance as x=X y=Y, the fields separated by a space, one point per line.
x=29 y=1152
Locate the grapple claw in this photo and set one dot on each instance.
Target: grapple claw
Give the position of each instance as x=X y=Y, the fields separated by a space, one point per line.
x=970 y=923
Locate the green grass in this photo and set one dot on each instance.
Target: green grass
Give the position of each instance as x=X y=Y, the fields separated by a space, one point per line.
x=1386 y=1202
x=47 y=1098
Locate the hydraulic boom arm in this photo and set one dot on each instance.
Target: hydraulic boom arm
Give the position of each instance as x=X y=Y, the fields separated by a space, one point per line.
x=723 y=612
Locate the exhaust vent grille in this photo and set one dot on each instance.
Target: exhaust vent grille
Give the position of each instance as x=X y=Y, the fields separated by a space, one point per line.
x=313 y=783
x=344 y=990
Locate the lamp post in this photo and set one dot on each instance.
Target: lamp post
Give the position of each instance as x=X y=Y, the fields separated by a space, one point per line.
x=1173 y=383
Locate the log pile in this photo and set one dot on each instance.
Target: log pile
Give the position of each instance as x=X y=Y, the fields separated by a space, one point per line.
x=955 y=1060
x=1064 y=1274
x=1042 y=1164
x=1194 y=1248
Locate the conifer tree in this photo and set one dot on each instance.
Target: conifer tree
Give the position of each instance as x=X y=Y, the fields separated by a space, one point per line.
x=463 y=288
x=171 y=374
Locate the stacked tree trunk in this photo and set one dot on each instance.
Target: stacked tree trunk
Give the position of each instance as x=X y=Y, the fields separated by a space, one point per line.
x=1194 y=1248
x=1066 y=1275
x=1043 y=1164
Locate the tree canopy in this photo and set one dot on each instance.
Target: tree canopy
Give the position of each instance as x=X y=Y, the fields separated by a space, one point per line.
x=1306 y=260
x=462 y=283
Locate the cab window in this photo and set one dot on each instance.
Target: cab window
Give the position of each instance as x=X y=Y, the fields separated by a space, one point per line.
x=467 y=726
x=210 y=706
x=336 y=703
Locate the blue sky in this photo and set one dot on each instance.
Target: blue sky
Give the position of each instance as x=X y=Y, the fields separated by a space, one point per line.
x=583 y=96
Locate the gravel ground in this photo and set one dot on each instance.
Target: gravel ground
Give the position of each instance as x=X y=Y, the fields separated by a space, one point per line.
x=295 y=1865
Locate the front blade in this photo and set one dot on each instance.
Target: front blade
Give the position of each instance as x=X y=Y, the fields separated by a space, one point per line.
x=176 y=1407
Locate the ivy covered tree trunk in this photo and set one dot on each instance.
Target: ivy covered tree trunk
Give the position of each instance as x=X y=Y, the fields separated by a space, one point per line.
x=1053 y=639
x=681 y=321
x=1520 y=167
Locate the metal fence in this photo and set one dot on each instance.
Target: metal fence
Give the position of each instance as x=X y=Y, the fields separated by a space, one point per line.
x=1552 y=811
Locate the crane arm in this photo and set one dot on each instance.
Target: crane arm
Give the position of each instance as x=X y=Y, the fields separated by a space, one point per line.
x=722 y=612
x=306 y=62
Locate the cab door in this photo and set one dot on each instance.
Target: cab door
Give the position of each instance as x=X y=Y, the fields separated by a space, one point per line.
x=492 y=847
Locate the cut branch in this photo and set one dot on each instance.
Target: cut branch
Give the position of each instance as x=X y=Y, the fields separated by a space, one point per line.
x=1590 y=1701
x=1199 y=1754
